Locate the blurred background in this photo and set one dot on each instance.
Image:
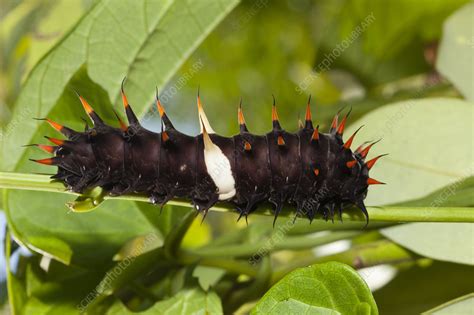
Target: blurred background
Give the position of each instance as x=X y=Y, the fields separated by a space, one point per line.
x=264 y=48
x=362 y=54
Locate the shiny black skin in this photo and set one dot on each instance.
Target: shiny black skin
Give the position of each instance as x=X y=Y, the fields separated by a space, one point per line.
x=171 y=164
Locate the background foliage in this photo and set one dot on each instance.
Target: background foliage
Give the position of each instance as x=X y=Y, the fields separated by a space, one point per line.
x=407 y=75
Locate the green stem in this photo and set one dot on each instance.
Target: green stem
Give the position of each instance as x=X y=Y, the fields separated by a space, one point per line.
x=30 y=182
x=15 y=300
x=276 y=242
x=361 y=256
x=384 y=214
x=302 y=226
x=175 y=237
x=237 y=267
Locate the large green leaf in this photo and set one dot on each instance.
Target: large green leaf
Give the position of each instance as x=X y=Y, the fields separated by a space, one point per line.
x=443 y=241
x=455 y=51
x=145 y=41
x=292 y=306
x=458 y=194
x=16 y=301
x=428 y=142
x=415 y=134
x=439 y=240
x=328 y=288
x=91 y=239
x=57 y=292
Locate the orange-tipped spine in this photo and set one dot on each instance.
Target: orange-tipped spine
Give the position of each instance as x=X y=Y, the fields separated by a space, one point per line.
x=308 y=118
x=371 y=181
x=348 y=143
x=372 y=162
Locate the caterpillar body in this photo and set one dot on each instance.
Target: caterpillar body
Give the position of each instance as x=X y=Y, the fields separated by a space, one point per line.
x=315 y=172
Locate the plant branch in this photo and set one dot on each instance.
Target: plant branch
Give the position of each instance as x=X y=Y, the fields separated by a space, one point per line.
x=361 y=256
x=383 y=214
x=271 y=244
x=175 y=237
x=237 y=267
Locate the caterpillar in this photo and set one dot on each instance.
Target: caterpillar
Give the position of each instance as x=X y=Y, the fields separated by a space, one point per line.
x=315 y=172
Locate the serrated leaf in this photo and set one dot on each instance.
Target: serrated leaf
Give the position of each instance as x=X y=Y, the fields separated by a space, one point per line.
x=332 y=286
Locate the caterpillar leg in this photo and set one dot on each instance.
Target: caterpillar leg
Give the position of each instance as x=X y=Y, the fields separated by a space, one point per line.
x=203 y=206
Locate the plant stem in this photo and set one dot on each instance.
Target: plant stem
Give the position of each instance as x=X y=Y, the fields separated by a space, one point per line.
x=15 y=300
x=30 y=182
x=302 y=226
x=384 y=214
x=237 y=267
x=274 y=243
x=175 y=237
x=361 y=256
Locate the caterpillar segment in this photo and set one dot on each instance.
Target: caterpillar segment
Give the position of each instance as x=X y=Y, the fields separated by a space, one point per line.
x=315 y=172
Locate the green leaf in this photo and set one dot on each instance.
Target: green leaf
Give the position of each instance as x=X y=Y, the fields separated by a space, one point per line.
x=455 y=50
x=443 y=241
x=458 y=194
x=188 y=301
x=423 y=286
x=62 y=15
x=54 y=246
x=330 y=286
x=16 y=289
x=438 y=238
x=145 y=41
x=18 y=31
x=47 y=227
x=59 y=290
x=427 y=141
x=207 y=276
x=292 y=306
x=461 y=305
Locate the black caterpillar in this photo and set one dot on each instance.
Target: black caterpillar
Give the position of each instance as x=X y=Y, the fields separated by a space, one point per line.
x=316 y=172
